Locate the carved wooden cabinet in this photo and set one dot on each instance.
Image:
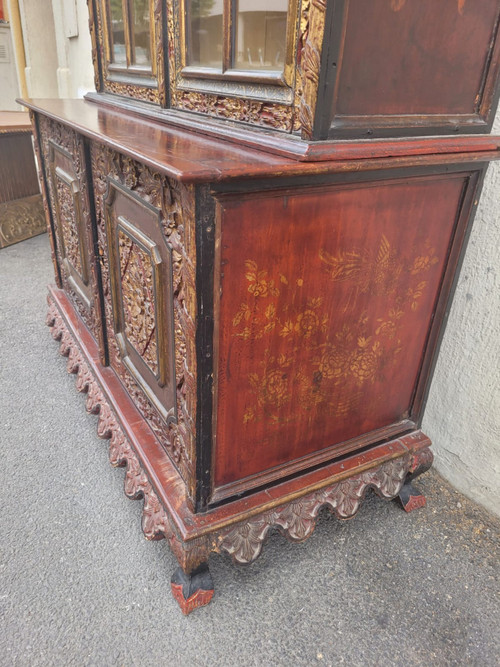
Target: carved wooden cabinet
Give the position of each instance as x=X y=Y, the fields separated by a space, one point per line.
x=255 y=314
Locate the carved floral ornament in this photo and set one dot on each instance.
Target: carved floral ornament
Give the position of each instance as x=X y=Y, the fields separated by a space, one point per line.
x=174 y=202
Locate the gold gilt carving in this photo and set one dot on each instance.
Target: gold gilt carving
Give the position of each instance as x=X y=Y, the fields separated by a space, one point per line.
x=322 y=355
x=21 y=219
x=68 y=197
x=175 y=203
x=259 y=109
x=94 y=38
x=137 y=289
x=69 y=231
x=312 y=25
x=154 y=92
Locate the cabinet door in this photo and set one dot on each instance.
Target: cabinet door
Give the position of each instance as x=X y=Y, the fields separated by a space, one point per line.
x=146 y=243
x=66 y=176
x=140 y=270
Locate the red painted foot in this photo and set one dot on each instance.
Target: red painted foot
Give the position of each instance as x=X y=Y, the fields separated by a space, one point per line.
x=410 y=498
x=194 y=590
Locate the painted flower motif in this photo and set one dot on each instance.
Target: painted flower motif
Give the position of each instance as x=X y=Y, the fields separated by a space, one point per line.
x=275 y=388
x=260 y=285
x=307 y=323
x=363 y=363
x=423 y=263
x=332 y=363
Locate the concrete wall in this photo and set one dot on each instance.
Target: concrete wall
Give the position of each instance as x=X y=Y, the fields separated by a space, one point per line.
x=463 y=411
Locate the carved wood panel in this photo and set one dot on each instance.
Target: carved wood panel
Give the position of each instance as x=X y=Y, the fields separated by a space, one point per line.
x=327 y=296
x=140 y=270
x=63 y=154
x=170 y=207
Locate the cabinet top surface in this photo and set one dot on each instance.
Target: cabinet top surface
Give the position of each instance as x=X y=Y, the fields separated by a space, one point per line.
x=192 y=157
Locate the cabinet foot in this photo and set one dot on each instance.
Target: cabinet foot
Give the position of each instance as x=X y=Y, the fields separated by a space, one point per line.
x=409 y=496
x=192 y=590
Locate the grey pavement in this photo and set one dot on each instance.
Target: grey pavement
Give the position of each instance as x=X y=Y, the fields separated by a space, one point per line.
x=79 y=585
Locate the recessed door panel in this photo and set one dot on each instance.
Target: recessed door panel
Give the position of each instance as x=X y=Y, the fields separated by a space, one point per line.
x=140 y=264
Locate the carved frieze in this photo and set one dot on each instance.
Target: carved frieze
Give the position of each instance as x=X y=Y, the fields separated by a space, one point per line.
x=175 y=205
x=297 y=520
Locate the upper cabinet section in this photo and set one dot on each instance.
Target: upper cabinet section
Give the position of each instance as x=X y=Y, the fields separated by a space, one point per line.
x=409 y=67
x=128 y=48
x=321 y=69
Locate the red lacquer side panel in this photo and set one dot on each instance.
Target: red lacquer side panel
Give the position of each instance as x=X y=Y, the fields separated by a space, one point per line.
x=408 y=57
x=326 y=301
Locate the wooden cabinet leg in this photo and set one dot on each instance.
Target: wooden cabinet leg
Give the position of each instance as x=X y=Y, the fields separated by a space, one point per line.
x=192 y=590
x=409 y=496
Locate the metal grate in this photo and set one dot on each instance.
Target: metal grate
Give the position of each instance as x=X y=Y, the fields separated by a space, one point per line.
x=4 y=53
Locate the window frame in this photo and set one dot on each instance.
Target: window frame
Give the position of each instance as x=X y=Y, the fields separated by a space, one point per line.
x=228 y=74
x=138 y=74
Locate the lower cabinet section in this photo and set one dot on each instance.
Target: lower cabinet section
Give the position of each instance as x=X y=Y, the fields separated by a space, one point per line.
x=257 y=347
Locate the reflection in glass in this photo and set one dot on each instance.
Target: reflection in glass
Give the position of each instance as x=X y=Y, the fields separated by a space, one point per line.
x=141 y=31
x=204 y=21
x=261 y=34
x=119 y=54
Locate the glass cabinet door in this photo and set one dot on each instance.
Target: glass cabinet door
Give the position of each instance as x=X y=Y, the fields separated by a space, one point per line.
x=238 y=39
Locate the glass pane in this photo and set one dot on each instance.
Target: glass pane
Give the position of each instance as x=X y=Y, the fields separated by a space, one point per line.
x=119 y=54
x=142 y=35
x=261 y=34
x=204 y=21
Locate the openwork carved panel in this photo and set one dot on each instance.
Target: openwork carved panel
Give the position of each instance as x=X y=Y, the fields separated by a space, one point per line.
x=173 y=204
x=63 y=154
x=67 y=207
x=140 y=266
x=138 y=299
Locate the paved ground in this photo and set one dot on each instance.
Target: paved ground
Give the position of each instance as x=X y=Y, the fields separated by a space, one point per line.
x=79 y=585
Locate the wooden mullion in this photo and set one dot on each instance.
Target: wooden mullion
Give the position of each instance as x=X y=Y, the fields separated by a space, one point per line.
x=127 y=31
x=228 y=16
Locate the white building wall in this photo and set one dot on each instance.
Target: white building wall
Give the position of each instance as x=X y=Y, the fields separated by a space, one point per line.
x=463 y=412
